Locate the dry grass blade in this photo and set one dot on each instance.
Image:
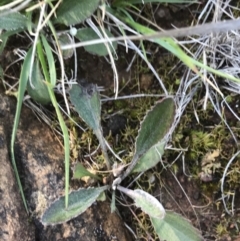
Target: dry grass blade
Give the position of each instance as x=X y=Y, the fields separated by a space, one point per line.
x=219 y=27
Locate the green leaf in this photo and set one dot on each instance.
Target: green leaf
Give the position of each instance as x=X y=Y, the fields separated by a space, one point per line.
x=66 y=39
x=71 y=12
x=113 y=202
x=155 y=125
x=4 y=38
x=150 y=158
x=87 y=103
x=40 y=92
x=149 y=204
x=13 y=21
x=174 y=227
x=145 y=201
x=79 y=202
x=87 y=34
x=80 y=171
x=25 y=71
x=50 y=60
x=102 y=197
x=51 y=79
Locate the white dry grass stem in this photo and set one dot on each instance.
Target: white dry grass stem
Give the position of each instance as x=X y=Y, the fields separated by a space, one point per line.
x=36 y=39
x=107 y=45
x=223 y=53
x=218 y=27
x=10 y=5
x=50 y=14
x=6 y=7
x=222 y=182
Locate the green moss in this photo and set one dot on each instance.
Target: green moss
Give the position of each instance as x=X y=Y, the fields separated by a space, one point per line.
x=221 y=228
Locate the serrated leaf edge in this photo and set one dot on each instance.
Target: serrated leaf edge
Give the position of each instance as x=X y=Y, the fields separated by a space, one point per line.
x=53 y=224
x=150 y=110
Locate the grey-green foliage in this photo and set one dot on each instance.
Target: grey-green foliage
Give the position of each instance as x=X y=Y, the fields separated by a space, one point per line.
x=155 y=125
x=79 y=201
x=72 y=12
x=13 y=21
x=50 y=65
x=87 y=103
x=24 y=77
x=5 y=36
x=149 y=145
x=150 y=158
x=150 y=141
x=145 y=201
x=80 y=171
x=86 y=34
x=66 y=39
x=174 y=227
x=39 y=91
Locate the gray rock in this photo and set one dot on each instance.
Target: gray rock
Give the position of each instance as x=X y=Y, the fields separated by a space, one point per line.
x=15 y=225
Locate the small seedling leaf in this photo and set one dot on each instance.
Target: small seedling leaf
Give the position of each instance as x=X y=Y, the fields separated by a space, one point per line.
x=40 y=92
x=80 y=171
x=87 y=34
x=149 y=204
x=74 y=11
x=79 y=201
x=13 y=21
x=102 y=197
x=174 y=227
x=87 y=103
x=146 y=202
x=150 y=158
x=155 y=125
x=66 y=39
x=24 y=76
